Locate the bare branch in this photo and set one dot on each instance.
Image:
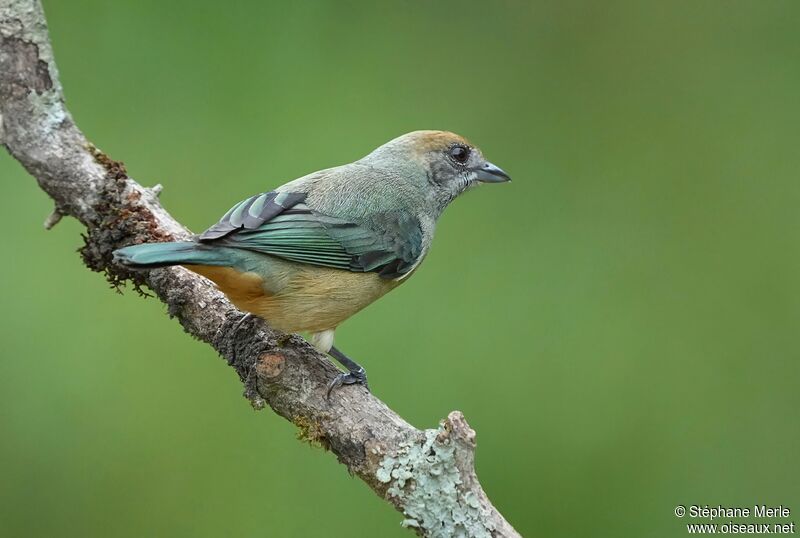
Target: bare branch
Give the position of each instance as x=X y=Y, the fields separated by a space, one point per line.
x=427 y=475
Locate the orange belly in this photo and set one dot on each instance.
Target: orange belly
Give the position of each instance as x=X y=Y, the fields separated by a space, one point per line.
x=308 y=299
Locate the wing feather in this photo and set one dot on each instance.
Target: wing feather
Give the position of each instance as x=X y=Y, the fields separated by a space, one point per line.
x=280 y=224
x=251 y=213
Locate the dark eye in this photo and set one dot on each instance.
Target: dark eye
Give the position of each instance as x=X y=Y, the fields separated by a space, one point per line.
x=459 y=154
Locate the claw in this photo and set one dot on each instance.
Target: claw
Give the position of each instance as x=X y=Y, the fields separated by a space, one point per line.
x=359 y=377
x=242 y=321
x=236 y=328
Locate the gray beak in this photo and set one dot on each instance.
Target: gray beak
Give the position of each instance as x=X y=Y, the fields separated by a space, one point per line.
x=489 y=173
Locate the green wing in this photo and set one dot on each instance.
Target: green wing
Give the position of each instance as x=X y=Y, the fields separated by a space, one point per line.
x=389 y=243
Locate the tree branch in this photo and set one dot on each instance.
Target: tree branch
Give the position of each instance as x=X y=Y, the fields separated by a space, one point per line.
x=427 y=475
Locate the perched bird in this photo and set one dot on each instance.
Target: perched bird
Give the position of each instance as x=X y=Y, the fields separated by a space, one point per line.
x=313 y=252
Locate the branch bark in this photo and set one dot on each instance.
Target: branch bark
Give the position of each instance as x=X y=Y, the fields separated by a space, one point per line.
x=428 y=475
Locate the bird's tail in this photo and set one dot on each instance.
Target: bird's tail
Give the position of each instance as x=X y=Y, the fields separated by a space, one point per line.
x=152 y=255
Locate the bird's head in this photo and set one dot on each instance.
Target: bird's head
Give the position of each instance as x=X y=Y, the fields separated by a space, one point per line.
x=441 y=163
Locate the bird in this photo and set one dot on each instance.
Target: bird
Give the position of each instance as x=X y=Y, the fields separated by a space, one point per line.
x=311 y=253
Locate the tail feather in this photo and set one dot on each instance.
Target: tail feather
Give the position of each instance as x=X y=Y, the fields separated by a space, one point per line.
x=153 y=255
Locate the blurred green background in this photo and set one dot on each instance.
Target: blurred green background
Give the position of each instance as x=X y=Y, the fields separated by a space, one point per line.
x=619 y=324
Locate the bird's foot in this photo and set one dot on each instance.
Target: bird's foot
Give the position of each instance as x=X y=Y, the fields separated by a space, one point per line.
x=350 y=378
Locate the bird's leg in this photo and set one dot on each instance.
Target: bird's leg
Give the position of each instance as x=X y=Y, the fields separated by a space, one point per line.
x=355 y=372
x=323 y=342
